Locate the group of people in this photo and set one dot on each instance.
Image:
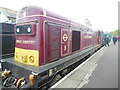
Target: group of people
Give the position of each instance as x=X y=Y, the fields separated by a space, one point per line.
x=107 y=40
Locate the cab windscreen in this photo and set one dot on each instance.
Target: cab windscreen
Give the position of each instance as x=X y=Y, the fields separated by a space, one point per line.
x=24 y=29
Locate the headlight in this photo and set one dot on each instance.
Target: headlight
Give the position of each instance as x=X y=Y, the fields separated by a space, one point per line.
x=29 y=29
x=24 y=58
x=18 y=30
x=31 y=59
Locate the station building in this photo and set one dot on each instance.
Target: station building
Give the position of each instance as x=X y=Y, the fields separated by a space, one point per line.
x=7 y=15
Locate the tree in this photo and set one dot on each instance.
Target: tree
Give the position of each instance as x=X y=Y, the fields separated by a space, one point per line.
x=87 y=22
x=115 y=33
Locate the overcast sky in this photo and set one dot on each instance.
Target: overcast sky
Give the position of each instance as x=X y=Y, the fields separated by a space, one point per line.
x=103 y=14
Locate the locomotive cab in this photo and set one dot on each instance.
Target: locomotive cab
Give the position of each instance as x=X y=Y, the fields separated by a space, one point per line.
x=23 y=55
x=27 y=38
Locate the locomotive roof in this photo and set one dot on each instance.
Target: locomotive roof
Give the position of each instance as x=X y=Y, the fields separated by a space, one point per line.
x=38 y=11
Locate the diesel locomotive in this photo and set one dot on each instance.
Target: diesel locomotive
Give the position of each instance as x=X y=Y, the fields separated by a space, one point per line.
x=46 y=45
x=7 y=38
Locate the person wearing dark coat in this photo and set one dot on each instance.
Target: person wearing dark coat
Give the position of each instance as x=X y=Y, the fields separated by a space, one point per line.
x=106 y=41
x=114 y=40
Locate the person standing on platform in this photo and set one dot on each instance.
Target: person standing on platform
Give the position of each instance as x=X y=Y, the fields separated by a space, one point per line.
x=118 y=38
x=114 y=40
x=106 y=41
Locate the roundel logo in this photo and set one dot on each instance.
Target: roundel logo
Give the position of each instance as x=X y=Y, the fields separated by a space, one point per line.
x=65 y=37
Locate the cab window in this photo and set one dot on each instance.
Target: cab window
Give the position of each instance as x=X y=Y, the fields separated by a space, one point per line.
x=24 y=29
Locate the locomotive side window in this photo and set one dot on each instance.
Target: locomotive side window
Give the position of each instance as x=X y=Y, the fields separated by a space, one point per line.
x=24 y=29
x=75 y=41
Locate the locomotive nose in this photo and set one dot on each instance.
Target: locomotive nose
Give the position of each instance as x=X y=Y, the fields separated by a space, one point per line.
x=25 y=56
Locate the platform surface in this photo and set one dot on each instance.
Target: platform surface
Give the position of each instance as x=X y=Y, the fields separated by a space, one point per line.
x=106 y=74
x=100 y=71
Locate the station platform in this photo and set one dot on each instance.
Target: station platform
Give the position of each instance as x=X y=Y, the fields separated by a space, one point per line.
x=99 y=71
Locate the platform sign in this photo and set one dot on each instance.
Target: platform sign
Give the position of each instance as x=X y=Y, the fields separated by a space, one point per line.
x=64 y=42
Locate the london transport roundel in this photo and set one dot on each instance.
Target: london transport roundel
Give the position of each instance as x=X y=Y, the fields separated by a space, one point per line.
x=65 y=37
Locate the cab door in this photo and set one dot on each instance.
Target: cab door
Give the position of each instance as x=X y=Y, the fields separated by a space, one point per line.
x=64 y=41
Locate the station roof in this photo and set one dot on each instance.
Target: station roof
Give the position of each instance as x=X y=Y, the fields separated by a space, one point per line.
x=9 y=12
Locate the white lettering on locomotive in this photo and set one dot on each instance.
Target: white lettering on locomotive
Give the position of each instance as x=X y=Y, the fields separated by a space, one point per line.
x=25 y=41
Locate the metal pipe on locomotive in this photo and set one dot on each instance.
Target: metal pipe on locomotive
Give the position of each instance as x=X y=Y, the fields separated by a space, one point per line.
x=46 y=44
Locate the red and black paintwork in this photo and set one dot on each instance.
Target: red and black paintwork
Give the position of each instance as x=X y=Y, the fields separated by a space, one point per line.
x=55 y=39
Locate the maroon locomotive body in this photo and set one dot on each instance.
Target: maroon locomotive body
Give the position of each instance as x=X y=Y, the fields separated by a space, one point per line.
x=47 y=43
